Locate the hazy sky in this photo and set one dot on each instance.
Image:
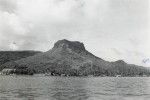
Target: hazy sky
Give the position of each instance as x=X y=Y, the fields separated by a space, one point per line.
x=110 y=29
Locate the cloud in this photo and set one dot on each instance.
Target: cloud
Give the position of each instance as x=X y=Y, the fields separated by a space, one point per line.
x=146 y=62
x=8 y=6
x=13 y=46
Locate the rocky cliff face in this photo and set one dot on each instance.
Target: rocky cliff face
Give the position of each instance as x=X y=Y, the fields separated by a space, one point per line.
x=73 y=45
x=71 y=58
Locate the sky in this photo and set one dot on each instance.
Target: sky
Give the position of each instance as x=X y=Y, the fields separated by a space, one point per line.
x=110 y=29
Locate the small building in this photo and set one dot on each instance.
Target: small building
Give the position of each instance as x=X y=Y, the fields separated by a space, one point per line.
x=118 y=75
x=8 y=71
x=48 y=74
x=63 y=75
x=144 y=75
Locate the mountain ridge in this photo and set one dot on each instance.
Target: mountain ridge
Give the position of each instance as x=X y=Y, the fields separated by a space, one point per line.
x=72 y=59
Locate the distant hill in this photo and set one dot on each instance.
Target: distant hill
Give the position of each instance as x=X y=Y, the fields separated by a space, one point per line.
x=71 y=58
x=7 y=56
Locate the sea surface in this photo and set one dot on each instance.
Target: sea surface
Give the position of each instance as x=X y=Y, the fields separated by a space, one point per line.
x=74 y=88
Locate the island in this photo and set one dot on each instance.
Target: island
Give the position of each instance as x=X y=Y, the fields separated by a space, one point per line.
x=68 y=58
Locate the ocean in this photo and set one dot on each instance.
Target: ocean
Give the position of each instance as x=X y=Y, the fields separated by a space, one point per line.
x=74 y=88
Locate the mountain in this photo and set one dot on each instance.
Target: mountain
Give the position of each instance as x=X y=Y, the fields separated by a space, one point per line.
x=7 y=56
x=71 y=58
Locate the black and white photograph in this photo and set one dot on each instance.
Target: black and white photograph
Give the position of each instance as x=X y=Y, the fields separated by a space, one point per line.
x=74 y=49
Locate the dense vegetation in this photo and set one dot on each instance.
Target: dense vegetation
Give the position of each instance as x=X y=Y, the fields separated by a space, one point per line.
x=6 y=56
x=70 y=58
